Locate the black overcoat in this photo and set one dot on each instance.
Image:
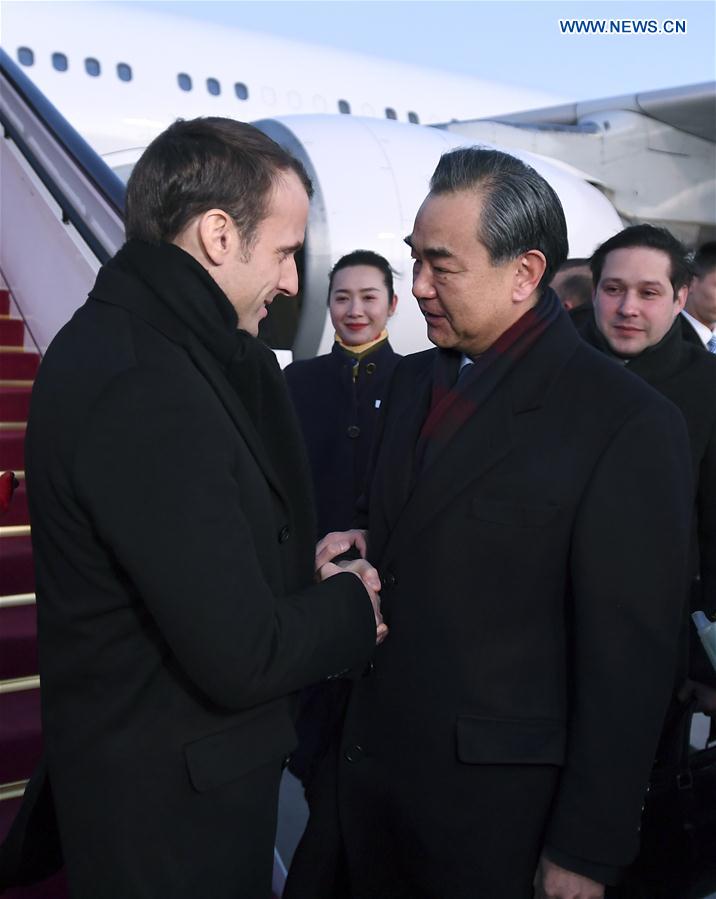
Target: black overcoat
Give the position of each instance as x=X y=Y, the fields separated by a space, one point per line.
x=175 y=601
x=337 y=398
x=531 y=582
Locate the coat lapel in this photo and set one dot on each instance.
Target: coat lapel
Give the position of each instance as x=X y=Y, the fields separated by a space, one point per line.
x=140 y=302
x=479 y=445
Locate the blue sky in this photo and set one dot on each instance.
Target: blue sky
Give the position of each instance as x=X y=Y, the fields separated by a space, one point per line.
x=515 y=41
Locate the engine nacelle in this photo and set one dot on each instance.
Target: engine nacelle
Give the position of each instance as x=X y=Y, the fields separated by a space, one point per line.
x=370 y=177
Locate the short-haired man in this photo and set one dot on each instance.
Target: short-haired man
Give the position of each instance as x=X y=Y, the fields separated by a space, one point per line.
x=173 y=533
x=699 y=315
x=641 y=280
x=641 y=284
x=509 y=513
x=573 y=283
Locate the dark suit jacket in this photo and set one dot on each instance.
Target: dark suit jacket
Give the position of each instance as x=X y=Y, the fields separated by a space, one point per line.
x=531 y=583
x=336 y=405
x=689 y=333
x=176 y=607
x=685 y=373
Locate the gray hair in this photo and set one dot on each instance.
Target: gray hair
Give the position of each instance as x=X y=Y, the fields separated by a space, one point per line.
x=520 y=211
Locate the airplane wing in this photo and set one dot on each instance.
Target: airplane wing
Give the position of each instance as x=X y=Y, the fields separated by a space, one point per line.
x=652 y=153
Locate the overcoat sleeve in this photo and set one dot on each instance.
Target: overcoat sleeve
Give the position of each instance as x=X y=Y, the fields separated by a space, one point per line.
x=159 y=475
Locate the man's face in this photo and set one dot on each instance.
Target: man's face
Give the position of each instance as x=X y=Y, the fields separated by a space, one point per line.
x=634 y=302
x=701 y=302
x=466 y=300
x=252 y=282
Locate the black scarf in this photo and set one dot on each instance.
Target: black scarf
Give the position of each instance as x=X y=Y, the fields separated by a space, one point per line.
x=654 y=364
x=454 y=402
x=186 y=292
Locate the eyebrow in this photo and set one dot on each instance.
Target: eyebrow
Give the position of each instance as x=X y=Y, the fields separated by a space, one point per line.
x=641 y=283
x=431 y=252
x=294 y=248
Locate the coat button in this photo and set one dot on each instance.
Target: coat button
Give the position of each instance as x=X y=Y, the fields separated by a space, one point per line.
x=369 y=669
x=353 y=431
x=389 y=579
x=370 y=368
x=283 y=535
x=354 y=753
x=285 y=762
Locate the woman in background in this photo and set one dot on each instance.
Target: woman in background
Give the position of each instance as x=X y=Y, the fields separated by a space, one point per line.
x=337 y=396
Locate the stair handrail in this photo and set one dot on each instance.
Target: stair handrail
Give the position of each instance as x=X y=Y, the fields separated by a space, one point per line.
x=18 y=92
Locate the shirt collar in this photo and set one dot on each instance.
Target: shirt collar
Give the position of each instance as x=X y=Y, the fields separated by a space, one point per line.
x=704 y=333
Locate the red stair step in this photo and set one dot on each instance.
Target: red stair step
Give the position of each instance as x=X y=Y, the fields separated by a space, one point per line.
x=17 y=512
x=4 y=301
x=20 y=735
x=14 y=403
x=18 y=641
x=17 y=574
x=12 y=332
x=12 y=449
x=18 y=366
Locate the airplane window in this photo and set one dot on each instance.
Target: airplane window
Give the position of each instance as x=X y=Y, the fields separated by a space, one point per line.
x=242 y=92
x=413 y=117
x=25 y=56
x=92 y=67
x=213 y=86
x=268 y=95
x=184 y=81
x=319 y=103
x=124 y=72
x=390 y=113
x=344 y=107
x=59 y=62
x=294 y=99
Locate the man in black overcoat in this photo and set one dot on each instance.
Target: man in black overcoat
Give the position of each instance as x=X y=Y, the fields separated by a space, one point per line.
x=173 y=534
x=529 y=515
x=641 y=281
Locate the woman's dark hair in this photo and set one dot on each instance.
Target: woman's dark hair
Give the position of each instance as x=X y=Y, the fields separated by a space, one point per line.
x=204 y=164
x=365 y=257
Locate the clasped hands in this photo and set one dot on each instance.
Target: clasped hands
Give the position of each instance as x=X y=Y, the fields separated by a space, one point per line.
x=335 y=544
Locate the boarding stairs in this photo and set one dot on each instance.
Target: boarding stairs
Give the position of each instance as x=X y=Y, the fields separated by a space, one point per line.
x=20 y=730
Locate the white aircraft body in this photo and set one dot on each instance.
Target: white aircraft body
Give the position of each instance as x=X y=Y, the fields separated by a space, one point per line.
x=176 y=66
x=120 y=74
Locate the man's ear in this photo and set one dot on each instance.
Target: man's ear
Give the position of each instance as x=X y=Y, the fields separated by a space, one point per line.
x=216 y=235
x=530 y=268
x=680 y=299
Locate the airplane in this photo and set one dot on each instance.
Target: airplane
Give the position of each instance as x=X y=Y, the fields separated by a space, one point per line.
x=360 y=125
x=120 y=75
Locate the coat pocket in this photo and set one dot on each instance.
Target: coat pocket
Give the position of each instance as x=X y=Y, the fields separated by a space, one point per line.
x=510 y=741
x=225 y=756
x=513 y=514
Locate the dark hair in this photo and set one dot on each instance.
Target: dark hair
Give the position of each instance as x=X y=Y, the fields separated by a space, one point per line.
x=520 y=211
x=577 y=288
x=365 y=257
x=653 y=238
x=573 y=262
x=705 y=259
x=203 y=164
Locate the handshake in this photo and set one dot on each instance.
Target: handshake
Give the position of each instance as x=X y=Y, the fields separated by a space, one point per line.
x=335 y=544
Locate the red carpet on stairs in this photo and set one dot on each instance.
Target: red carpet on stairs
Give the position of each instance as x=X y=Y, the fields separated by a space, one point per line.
x=20 y=733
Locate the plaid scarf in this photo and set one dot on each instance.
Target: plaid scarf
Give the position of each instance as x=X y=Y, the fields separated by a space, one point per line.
x=454 y=402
